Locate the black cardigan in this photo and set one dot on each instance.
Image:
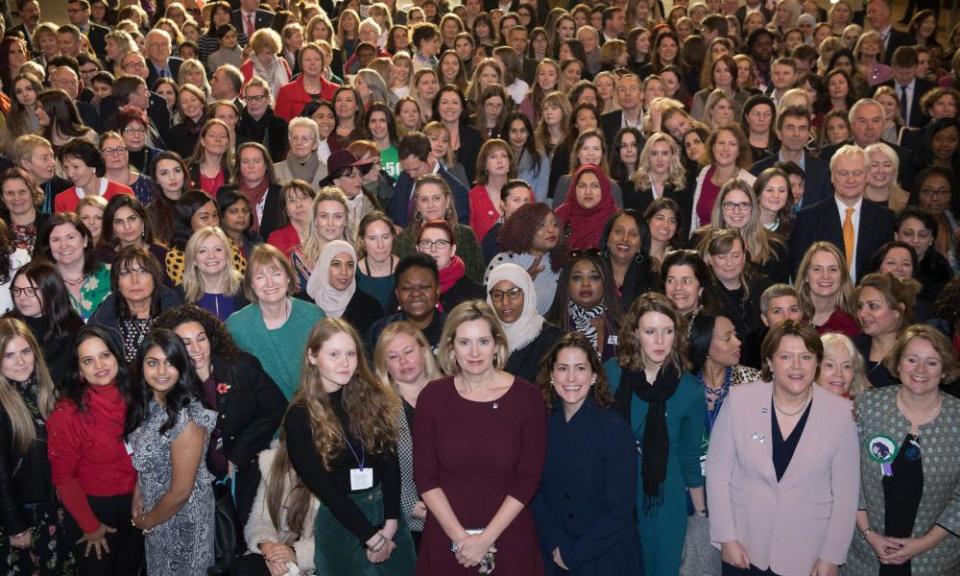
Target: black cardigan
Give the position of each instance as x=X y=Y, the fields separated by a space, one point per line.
x=525 y=362
x=362 y=311
x=23 y=480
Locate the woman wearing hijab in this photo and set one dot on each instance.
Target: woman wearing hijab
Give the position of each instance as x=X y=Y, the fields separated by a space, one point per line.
x=529 y=337
x=333 y=286
x=587 y=207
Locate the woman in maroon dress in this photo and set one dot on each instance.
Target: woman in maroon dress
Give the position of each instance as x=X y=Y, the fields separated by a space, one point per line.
x=479 y=447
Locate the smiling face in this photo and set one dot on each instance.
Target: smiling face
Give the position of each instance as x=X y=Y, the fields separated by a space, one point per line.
x=17 y=197
x=793 y=365
x=663 y=225
x=586 y=284
x=67 y=244
x=212 y=256
x=782 y=308
x=417 y=292
x=920 y=367
x=270 y=283
x=898 y=262
x=98 y=366
x=335 y=361
x=197 y=343
x=823 y=276
x=624 y=240
x=726 y=148
x=916 y=234
x=775 y=193
x=18 y=360
x=159 y=372
x=342 y=270
x=729 y=266
x=736 y=208
x=572 y=377
x=837 y=369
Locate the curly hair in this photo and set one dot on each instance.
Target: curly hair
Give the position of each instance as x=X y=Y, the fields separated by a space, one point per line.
x=515 y=233
x=221 y=341
x=600 y=390
x=367 y=401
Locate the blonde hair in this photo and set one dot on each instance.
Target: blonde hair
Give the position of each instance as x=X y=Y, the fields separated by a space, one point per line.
x=366 y=400
x=230 y=277
x=265 y=39
x=387 y=335
x=467 y=312
x=844 y=294
x=836 y=340
x=193 y=65
x=21 y=421
x=756 y=238
x=676 y=174
x=313 y=244
x=436 y=127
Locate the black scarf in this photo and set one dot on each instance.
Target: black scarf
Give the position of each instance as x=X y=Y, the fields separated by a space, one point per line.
x=656 y=439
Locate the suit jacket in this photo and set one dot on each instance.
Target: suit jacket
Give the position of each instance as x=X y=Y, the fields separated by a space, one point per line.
x=273 y=217
x=263 y=19
x=401 y=208
x=97 y=35
x=610 y=123
x=157 y=112
x=810 y=513
x=921 y=87
x=154 y=74
x=817 y=184
x=89 y=115
x=821 y=221
x=529 y=70
x=896 y=40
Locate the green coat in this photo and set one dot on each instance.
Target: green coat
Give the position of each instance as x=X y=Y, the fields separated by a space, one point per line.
x=279 y=351
x=662 y=534
x=877 y=415
x=468 y=249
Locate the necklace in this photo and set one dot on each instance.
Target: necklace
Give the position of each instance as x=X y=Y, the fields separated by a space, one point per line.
x=798 y=411
x=74 y=281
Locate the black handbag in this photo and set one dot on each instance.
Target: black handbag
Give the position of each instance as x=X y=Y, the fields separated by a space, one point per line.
x=228 y=538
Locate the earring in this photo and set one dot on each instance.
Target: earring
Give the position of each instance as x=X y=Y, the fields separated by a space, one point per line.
x=594 y=381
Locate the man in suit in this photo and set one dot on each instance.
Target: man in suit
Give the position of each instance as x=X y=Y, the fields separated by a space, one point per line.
x=878 y=16
x=857 y=227
x=908 y=87
x=417 y=159
x=133 y=64
x=29 y=11
x=250 y=18
x=517 y=38
x=793 y=130
x=630 y=97
x=65 y=76
x=867 y=118
x=614 y=23
x=78 y=11
x=159 y=61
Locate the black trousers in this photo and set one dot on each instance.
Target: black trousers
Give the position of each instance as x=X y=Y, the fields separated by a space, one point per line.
x=126 y=544
x=731 y=570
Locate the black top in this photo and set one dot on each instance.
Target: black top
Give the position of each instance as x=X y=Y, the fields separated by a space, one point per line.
x=877 y=373
x=362 y=311
x=332 y=486
x=524 y=362
x=901 y=497
x=783 y=448
x=464 y=289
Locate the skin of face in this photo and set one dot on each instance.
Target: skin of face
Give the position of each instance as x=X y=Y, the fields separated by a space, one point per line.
x=547 y=234
x=913 y=232
x=782 y=308
x=837 y=369
x=507 y=302
x=849 y=177
x=417 y=292
x=898 y=262
x=30 y=305
x=330 y=220
x=270 y=283
x=97 y=365
x=682 y=288
x=18 y=360
x=736 y=209
x=197 y=343
x=66 y=244
x=159 y=372
x=128 y=227
x=405 y=359
x=794 y=367
x=378 y=241
x=823 y=275
x=206 y=215
x=572 y=377
x=474 y=347
x=586 y=284
x=588 y=190
x=335 y=361
x=875 y=315
x=920 y=368
x=443 y=255
x=656 y=333
x=725 y=347
x=624 y=239
x=663 y=226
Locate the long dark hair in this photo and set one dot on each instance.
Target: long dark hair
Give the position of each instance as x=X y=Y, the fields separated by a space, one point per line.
x=116 y=203
x=63 y=114
x=221 y=341
x=558 y=312
x=699 y=338
x=186 y=207
x=530 y=146
x=74 y=387
x=642 y=276
x=60 y=318
x=183 y=391
x=125 y=258
x=162 y=207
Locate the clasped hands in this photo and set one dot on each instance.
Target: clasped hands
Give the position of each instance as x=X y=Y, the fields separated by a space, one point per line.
x=471 y=548
x=895 y=551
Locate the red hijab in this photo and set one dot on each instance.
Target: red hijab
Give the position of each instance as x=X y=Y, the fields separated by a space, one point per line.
x=584 y=226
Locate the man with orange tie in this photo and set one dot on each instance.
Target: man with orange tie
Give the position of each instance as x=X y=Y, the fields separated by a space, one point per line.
x=250 y=17
x=858 y=227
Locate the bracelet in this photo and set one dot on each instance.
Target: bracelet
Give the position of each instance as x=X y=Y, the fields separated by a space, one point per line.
x=866 y=532
x=701 y=513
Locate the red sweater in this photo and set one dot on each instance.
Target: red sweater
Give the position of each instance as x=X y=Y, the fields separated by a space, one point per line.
x=285 y=239
x=87 y=453
x=293 y=97
x=67 y=201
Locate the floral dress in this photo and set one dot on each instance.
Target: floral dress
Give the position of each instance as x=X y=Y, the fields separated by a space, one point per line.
x=93 y=291
x=183 y=545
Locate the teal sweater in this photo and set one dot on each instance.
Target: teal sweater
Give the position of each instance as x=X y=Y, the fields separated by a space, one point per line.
x=280 y=351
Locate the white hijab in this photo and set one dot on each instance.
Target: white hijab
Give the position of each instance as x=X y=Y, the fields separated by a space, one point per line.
x=528 y=326
x=332 y=301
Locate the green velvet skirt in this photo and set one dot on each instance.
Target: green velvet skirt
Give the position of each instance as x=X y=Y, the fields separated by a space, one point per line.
x=337 y=550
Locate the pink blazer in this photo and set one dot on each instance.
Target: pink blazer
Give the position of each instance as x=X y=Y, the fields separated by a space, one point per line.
x=810 y=514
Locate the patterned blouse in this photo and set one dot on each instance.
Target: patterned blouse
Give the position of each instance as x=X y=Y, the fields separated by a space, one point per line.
x=93 y=291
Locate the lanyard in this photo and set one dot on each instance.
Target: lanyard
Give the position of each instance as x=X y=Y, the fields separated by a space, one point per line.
x=360 y=459
x=711 y=415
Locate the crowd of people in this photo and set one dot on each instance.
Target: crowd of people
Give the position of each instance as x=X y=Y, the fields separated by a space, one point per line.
x=511 y=287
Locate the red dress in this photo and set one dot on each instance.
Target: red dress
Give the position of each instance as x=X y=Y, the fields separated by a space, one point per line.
x=483 y=214
x=479 y=453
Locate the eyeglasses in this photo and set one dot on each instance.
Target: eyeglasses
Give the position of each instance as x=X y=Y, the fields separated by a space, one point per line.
x=132 y=130
x=112 y=151
x=512 y=294
x=432 y=244
x=737 y=206
x=134 y=66
x=29 y=291
x=941 y=192
x=255 y=99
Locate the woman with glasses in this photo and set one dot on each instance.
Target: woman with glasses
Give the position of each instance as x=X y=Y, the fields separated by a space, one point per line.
x=20 y=200
x=302 y=161
x=437 y=240
x=114 y=150
x=934 y=187
x=258 y=122
x=512 y=296
x=133 y=127
x=919 y=229
x=728 y=157
x=137 y=298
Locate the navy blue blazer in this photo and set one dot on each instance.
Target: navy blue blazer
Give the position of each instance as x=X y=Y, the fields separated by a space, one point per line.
x=263 y=19
x=817 y=185
x=588 y=492
x=821 y=221
x=401 y=208
x=173 y=62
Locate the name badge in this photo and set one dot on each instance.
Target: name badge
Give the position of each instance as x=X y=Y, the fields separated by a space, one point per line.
x=361 y=478
x=613 y=340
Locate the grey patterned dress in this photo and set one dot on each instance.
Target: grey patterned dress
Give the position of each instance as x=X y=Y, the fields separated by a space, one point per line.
x=183 y=545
